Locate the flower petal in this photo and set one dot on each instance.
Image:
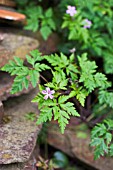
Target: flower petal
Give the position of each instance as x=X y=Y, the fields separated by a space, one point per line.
x=51 y=96
x=44 y=92
x=52 y=92
x=46 y=97
x=48 y=90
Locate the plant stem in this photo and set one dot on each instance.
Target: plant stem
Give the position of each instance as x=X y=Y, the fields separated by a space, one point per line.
x=44 y=78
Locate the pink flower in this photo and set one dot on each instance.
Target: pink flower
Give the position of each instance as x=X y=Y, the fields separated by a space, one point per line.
x=48 y=93
x=71 y=10
x=87 y=23
x=72 y=50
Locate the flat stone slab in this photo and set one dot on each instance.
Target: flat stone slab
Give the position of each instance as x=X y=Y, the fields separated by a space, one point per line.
x=76 y=147
x=8 y=3
x=5 y=86
x=19 y=166
x=15 y=43
x=11 y=15
x=29 y=165
x=18 y=135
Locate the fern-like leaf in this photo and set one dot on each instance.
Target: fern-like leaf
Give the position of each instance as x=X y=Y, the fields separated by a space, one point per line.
x=45 y=115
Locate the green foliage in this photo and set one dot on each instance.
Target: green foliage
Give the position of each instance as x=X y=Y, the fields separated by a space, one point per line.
x=89 y=76
x=25 y=75
x=102 y=139
x=59 y=81
x=61 y=109
x=97 y=39
x=39 y=19
x=106 y=97
x=60 y=160
x=84 y=79
x=65 y=63
x=74 y=78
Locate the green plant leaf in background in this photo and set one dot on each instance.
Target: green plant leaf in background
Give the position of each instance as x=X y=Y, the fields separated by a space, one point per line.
x=60 y=159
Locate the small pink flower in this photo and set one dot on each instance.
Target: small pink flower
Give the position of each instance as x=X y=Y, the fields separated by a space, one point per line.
x=71 y=10
x=48 y=93
x=87 y=23
x=72 y=50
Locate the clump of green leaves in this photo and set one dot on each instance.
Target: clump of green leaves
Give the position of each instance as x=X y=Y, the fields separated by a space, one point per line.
x=39 y=19
x=101 y=136
x=71 y=82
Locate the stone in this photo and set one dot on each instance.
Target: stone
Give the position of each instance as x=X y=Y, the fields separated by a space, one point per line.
x=5 y=87
x=76 y=147
x=8 y=3
x=21 y=44
x=1 y=112
x=15 y=43
x=5 y=55
x=11 y=15
x=29 y=165
x=18 y=134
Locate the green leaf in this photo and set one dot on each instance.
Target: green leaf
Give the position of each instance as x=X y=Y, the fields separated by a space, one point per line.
x=81 y=96
x=63 y=84
x=98 y=152
x=108 y=138
x=36 y=55
x=46 y=114
x=39 y=67
x=32 y=24
x=51 y=23
x=54 y=61
x=25 y=82
x=34 y=77
x=18 y=61
x=30 y=60
x=64 y=114
x=45 y=32
x=88 y=74
x=98 y=130
x=109 y=124
x=101 y=80
x=51 y=85
x=17 y=85
x=106 y=97
x=62 y=99
x=56 y=112
x=59 y=80
x=49 y=13
x=60 y=159
x=96 y=142
x=62 y=122
x=111 y=150
x=69 y=108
